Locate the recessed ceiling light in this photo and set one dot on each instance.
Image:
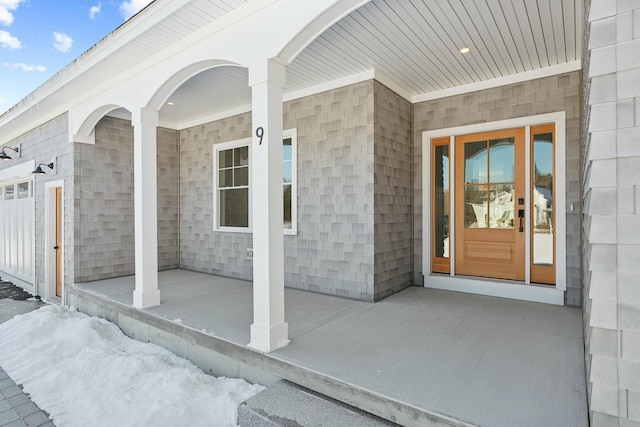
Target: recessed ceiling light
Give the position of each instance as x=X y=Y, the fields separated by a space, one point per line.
x=170 y=103
x=465 y=50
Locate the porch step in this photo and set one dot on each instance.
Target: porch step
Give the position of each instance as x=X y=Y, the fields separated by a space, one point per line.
x=289 y=405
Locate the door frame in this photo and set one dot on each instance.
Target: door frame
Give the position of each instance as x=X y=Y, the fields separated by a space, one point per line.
x=496 y=287
x=50 y=240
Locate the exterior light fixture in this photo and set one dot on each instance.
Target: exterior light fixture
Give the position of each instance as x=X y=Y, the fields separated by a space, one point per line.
x=44 y=168
x=465 y=50
x=14 y=153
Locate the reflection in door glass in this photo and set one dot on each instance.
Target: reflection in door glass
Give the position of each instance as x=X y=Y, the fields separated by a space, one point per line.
x=502 y=159
x=476 y=212
x=489 y=206
x=542 y=199
x=501 y=198
x=441 y=201
x=475 y=162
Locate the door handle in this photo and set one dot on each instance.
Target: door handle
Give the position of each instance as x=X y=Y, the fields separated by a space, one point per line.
x=56 y=247
x=521 y=216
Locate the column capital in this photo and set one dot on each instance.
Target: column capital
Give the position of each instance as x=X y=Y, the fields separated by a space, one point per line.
x=145 y=116
x=267 y=71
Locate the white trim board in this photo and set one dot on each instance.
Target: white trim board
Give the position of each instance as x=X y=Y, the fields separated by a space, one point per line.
x=502 y=289
x=483 y=286
x=391 y=84
x=50 y=240
x=19 y=170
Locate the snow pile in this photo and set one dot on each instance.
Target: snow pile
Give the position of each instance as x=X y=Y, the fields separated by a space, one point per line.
x=84 y=371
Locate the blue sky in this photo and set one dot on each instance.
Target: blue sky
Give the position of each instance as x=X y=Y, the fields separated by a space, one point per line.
x=39 y=37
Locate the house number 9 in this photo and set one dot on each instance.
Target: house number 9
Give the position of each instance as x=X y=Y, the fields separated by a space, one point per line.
x=260 y=134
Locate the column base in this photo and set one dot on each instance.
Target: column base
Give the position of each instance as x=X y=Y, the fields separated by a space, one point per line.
x=269 y=339
x=142 y=299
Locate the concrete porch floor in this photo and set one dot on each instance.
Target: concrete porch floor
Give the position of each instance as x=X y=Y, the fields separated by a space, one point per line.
x=419 y=357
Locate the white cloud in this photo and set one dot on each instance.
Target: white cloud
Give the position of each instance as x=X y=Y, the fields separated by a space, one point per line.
x=95 y=10
x=6 y=6
x=25 y=67
x=3 y=101
x=63 y=42
x=8 y=41
x=129 y=8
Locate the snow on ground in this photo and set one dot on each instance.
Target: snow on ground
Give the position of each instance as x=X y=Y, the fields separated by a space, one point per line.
x=84 y=371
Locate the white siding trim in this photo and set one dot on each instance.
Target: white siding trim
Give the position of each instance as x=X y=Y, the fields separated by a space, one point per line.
x=24 y=168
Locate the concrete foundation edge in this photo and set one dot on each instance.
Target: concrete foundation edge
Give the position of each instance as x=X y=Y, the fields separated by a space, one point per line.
x=219 y=357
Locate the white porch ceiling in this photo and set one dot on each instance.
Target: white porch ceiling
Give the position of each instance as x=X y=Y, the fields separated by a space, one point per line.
x=415 y=44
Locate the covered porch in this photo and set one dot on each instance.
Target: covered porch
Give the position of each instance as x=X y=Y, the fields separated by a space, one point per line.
x=419 y=357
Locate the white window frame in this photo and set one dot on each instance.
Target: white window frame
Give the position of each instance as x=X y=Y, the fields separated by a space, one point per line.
x=289 y=133
x=293 y=134
x=246 y=142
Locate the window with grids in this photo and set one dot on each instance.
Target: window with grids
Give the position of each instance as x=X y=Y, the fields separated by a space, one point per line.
x=232 y=184
x=233 y=187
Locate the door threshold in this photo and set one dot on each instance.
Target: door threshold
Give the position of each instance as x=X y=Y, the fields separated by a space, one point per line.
x=546 y=294
x=55 y=300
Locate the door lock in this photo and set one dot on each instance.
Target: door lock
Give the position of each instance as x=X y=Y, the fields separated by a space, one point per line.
x=521 y=216
x=56 y=247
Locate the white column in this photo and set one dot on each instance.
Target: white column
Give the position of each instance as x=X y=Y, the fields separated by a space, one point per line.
x=269 y=331
x=145 y=123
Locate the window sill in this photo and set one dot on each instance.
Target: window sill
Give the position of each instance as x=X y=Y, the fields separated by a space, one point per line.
x=250 y=231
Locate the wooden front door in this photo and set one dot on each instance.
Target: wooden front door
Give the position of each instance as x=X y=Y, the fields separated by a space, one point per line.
x=490 y=204
x=58 y=245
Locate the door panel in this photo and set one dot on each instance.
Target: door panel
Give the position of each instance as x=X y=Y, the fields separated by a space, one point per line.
x=542 y=210
x=440 y=260
x=490 y=180
x=58 y=247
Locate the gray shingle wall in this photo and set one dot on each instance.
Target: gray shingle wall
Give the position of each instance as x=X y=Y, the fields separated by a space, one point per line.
x=550 y=94
x=201 y=248
x=611 y=194
x=104 y=203
x=168 y=198
x=333 y=251
x=104 y=229
x=41 y=145
x=393 y=192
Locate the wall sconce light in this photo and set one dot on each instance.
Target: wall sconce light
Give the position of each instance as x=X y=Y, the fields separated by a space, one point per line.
x=14 y=153
x=48 y=168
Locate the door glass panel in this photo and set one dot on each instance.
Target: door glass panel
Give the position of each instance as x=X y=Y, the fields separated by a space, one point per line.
x=502 y=160
x=543 y=199
x=501 y=205
x=476 y=207
x=441 y=201
x=489 y=206
x=475 y=162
